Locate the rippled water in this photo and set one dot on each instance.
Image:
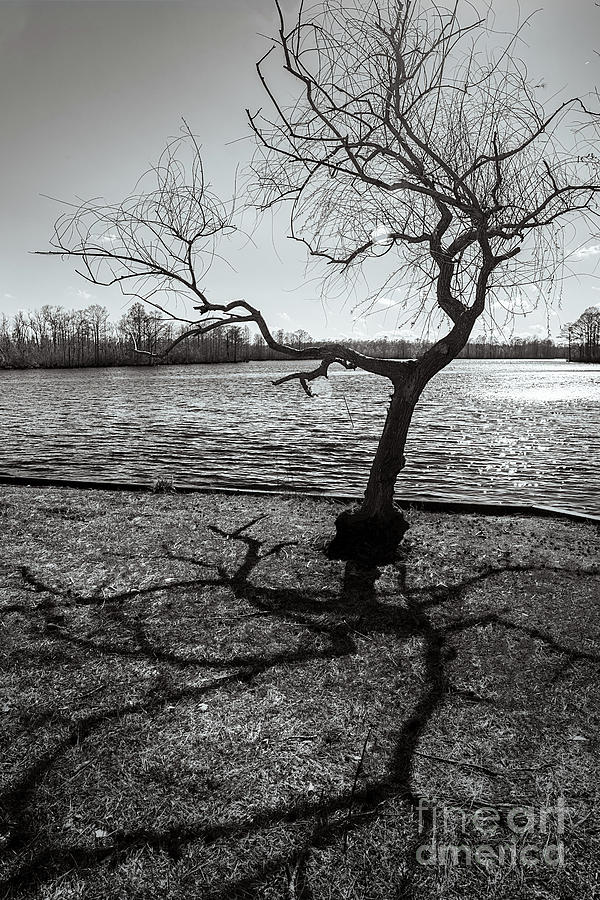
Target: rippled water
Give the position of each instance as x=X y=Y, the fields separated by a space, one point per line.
x=522 y=431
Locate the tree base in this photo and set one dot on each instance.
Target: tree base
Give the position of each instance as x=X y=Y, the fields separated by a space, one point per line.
x=369 y=540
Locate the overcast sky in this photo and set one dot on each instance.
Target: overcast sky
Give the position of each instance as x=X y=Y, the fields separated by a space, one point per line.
x=90 y=90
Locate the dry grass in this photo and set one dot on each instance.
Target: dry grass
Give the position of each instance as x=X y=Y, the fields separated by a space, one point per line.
x=196 y=703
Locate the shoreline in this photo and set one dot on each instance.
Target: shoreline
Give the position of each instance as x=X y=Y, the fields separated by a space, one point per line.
x=458 y=507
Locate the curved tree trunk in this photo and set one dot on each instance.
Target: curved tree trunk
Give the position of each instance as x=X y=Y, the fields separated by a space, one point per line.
x=371 y=533
x=389 y=459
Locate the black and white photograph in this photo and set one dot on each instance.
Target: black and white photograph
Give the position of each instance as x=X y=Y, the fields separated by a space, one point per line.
x=300 y=450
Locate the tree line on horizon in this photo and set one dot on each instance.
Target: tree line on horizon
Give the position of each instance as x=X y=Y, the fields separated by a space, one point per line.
x=54 y=337
x=583 y=337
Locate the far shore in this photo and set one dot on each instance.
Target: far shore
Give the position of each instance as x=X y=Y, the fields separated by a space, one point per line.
x=558 y=354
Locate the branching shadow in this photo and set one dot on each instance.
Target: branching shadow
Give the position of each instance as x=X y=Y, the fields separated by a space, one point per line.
x=334 y=620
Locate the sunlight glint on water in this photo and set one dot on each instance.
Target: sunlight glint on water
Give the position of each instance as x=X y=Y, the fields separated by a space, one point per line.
x=522 y=431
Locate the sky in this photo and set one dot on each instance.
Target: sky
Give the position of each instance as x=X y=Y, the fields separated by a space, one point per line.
x=91 y=89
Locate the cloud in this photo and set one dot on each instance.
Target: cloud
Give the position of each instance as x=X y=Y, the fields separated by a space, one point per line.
x=9 y=296
x=385 y=301
x=399 y=334
x=583 y=252
x=84 y=295
x=285 y=317
x=358 y=329
x=534 y=330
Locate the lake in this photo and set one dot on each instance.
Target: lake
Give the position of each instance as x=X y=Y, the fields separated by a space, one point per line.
x=515 y=431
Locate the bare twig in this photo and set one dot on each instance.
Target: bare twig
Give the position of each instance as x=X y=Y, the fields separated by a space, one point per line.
x=357 y=774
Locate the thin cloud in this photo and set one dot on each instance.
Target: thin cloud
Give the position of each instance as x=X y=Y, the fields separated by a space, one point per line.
x=399 y=334
x=534 y=330
x=592 y=250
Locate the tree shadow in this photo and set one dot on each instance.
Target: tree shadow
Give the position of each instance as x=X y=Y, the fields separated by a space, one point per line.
x=334 y=620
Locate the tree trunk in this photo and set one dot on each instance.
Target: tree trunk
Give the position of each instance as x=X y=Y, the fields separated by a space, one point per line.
x=371 y=532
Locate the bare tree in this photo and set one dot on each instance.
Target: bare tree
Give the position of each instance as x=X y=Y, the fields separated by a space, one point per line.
x=415 y=141
x=98 y=318
x=584 y=336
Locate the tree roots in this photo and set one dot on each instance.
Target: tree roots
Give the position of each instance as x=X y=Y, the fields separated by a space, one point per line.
x=367 y=539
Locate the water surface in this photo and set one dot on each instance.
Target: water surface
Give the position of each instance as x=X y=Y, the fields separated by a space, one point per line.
x=518 y=431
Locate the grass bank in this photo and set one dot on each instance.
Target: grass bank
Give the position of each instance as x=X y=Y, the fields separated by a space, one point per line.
x=196 y=703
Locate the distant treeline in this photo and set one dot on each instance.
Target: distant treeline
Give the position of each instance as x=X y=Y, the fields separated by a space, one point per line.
x=583 y=337
x=53 y=337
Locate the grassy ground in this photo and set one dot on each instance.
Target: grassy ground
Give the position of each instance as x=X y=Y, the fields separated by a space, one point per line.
x=196 y=703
